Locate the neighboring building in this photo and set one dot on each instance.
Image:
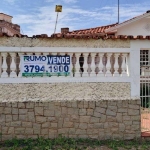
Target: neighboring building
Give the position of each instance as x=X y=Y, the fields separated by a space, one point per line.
x=7 y=27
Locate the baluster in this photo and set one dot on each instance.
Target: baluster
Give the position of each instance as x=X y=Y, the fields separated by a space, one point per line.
x=85 y=65
x=93 y=73
x=104 y=62
x=108 y=65
x=124 y=66
x=4 y=66
x=13 y=73
x=89 y=64
x=71 y=65
x=127 y=64
x=77 y=66
x=101 y=66
x=0 y=64
x=73 y=61
x=20 y=67
x=97 y=61
x=116 y=65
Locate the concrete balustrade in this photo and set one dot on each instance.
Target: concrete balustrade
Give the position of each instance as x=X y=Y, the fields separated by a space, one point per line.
x=85 y=65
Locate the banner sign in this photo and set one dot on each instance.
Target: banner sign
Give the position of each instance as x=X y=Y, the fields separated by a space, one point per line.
x=39 y=66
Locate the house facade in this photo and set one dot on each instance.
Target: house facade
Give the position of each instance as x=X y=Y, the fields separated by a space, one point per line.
x=84 y=83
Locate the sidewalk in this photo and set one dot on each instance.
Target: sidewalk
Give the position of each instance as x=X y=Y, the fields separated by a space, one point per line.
x=145 y=123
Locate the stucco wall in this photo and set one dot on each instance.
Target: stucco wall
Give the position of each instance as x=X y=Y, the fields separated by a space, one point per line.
x=63 y=91
x=45 y=42
x=101 y=119
x=139 y=27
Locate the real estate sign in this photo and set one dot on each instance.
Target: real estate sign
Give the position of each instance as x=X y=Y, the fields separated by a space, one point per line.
x=39 y=66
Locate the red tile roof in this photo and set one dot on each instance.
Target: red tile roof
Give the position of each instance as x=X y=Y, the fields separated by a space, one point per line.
x=95 y=33
x=95 y=30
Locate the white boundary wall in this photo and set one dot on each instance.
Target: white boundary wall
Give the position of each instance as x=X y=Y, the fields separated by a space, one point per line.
x=133 y=61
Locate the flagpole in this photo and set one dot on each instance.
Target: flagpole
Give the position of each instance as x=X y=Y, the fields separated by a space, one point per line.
x=58 y=9
x=56 y=23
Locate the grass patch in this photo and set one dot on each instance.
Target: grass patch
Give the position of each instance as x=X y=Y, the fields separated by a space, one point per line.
x=63 y=143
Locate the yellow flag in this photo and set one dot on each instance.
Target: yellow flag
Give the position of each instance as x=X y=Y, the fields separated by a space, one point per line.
x=58 y=8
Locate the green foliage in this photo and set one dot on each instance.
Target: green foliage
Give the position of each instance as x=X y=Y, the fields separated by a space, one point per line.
x=63 y=143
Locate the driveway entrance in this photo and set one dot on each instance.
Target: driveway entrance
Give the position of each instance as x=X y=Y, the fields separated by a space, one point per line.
x=145 y=91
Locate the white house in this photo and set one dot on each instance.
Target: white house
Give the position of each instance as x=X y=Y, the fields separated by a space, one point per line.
x=102 y=63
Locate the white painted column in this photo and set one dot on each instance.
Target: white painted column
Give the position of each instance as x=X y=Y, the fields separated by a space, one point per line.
x=13 y=73
x=116 y=65
x=4 y=66
x=85 y=65
x=108 y=65
x=77 y=66
x=135 y=72
x=93 y=73
x=124 y=66
x=101 y=66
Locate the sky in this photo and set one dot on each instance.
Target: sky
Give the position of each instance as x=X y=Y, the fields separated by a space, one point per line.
x=38 y=16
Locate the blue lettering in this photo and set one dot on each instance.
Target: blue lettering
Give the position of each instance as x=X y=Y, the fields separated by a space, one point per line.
x=58 y=60
x=31 y=58
x=54 y=60
x=43 y=58
x=63 y=60
x=34 y=58
x=67 y=60
x=40 y=58
x=49 y=58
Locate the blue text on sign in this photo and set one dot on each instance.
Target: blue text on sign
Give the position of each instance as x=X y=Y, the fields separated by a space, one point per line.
x=58 y=60
x=50 y=59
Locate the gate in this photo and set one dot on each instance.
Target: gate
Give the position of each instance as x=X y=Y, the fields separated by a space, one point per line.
x=145 y=91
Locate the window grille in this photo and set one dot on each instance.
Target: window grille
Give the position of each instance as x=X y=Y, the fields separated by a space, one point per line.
x=145 y=90
x=145 y=78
